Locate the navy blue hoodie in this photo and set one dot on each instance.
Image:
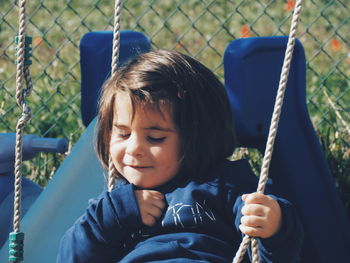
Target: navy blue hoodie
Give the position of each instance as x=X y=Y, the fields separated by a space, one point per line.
x=199 y=224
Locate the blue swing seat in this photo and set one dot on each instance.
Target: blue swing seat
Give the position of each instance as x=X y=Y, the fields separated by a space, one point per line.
x=30 y=192
x=95 y=62
x=298 y=169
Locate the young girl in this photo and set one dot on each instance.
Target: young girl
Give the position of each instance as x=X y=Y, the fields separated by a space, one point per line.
x=166 y=123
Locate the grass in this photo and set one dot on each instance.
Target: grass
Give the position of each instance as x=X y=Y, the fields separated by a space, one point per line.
x=337 y=153
x=199 y=28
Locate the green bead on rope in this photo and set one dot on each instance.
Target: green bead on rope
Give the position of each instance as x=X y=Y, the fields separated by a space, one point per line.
x=27 y=49
x=16 y=240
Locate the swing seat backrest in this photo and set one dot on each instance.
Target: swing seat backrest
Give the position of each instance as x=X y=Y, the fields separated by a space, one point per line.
x=95 y=63
x=298 y=169
x=30 y=192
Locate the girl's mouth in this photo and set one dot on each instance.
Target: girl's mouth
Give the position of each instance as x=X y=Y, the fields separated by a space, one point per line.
x=139 y=166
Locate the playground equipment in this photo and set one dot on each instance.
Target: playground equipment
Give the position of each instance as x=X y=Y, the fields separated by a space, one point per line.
x=80 y=176
x=95 y=56
x=30 y=191
x=298 y=169
x=315 y=246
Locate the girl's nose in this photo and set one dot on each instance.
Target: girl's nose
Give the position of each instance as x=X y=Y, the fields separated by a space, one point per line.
x=134 y=146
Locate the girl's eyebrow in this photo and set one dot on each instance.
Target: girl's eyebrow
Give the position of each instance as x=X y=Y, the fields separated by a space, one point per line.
x=119 y=126
x=157 y=128
x=153 y=127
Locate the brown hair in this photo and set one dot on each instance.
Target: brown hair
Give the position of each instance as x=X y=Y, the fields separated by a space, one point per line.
x=198 y=101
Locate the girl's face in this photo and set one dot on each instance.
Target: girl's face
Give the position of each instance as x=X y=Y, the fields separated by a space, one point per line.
x=146 y=149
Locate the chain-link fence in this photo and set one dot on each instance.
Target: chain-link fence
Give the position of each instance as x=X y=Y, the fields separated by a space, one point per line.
x=202 y=29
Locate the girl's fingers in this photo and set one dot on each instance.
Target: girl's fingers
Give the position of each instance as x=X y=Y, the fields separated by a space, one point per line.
x=150 y=214
x=151 y=204
x=256 y=198
x=149 y=220
x=154 y=211
x=158 y=203
x=155 y=194
x=149 y=195
x=261 y=215
x=253 y=209
x=156 y=208
x=250 y=231
x=253 y=221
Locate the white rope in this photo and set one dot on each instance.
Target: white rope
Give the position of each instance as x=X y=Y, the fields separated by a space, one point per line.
x=22 y=75
x=16 y=238
x=273 y=130
x=112 y=172
x=116 y=37
x=115 y=56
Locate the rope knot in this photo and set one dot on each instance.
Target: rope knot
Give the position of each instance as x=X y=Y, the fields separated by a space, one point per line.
x=24 y=47
x=27 y=112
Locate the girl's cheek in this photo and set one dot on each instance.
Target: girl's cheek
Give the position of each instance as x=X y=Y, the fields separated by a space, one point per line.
x=116 y=150
x=114 y=140
x=157 y=151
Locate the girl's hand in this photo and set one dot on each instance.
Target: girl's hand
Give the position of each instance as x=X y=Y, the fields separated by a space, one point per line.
x=151 y=204
x=261 y=215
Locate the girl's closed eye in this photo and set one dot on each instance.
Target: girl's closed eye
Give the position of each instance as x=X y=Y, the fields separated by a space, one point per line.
x=123 y=135
x=151 y=139
x=156 y=139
